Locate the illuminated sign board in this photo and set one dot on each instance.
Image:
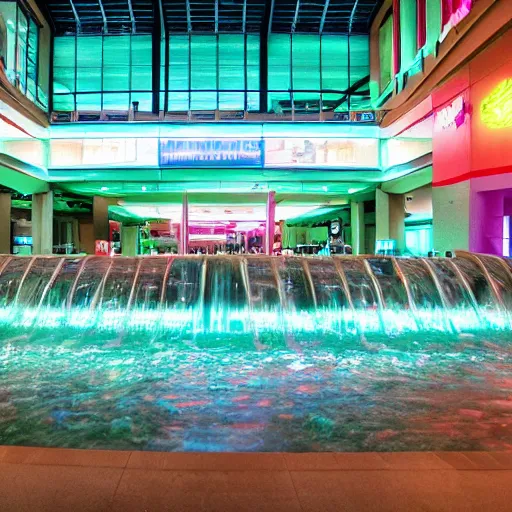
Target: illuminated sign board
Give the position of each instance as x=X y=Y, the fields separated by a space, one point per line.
x=453 y=114
x=496 y=109
x=211 y=153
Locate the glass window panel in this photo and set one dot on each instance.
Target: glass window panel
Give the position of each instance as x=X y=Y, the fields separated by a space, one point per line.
x=253 y=101
x=386 y=52
x=21 y=50
x=8 y=13
x=116 y=51
x=142 y=77
x=335 y=62
x=145 y=100
x=116 y=101
x=89 y=52
x=63 y=79
x=88 y=80
x=231 y=101
x=306 y=63
x=178 y=81
x=359 y=58
x=178 y=62
x=279 y=76
x=88 y=101
x=64 y=51
x=33 y=48
x=204 y=64
x=141 y=50
x=65 y=103
x=253 y=64
x=231 y=62
x=178 y=101
x=203 y=101
x=116 y=78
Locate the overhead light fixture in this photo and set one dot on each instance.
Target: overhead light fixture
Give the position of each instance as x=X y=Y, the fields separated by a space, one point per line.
x=104 y=189
x=324 y=188
x=143 y=188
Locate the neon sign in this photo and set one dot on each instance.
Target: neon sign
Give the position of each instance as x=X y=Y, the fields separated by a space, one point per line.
x=453 y=114
x=211 y=153
x=496 y=109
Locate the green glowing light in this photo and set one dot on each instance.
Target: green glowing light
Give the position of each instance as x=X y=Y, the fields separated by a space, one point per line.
x=496 y=109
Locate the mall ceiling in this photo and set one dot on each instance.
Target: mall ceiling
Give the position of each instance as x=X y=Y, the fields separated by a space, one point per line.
x=246 y=16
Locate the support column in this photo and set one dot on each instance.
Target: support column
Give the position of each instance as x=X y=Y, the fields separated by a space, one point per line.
x=390 y=218
x=42 y=223
x=129 y=240
x=451 y=219
x=100 y=216
x=5 y=223
x=184 y=225
x=357 y=227
x=271 y=222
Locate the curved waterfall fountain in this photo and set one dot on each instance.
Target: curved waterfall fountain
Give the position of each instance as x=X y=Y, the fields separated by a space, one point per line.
x=254 y=353
x=255 y=294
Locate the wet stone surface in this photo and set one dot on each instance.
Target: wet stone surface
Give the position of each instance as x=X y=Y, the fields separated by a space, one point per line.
x=70 y=388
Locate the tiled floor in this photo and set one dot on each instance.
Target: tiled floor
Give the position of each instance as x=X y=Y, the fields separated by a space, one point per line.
x=40 y=479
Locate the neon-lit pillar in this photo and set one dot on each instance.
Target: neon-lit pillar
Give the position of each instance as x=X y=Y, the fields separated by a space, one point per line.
x=271 y=221
x=184 y=234
x=42 y=223
x=5 y=223
x=357 y=227
x=390 y=218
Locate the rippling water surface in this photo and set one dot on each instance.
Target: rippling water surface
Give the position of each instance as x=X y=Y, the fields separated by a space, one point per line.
x=86 y=389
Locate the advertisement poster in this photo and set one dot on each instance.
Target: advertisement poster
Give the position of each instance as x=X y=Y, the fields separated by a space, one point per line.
x=101 y=248
x=361 y=153
x=211 y=153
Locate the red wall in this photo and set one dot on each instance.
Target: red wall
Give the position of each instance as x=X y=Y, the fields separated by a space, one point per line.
x=473 y=149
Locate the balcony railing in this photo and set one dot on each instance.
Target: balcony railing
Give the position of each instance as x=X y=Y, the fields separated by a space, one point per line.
x=291 y=105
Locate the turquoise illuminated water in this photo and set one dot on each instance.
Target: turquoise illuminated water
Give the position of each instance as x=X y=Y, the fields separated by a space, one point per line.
x=429 y=392
x=256 y=354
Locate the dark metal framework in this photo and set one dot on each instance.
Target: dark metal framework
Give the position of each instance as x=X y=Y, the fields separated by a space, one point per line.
x=214 y=16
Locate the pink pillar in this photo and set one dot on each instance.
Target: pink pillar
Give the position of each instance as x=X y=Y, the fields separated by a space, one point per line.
x=184 y=225
x=271 y=221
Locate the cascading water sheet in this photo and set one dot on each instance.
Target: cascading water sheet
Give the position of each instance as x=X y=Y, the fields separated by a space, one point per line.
x=256 y=353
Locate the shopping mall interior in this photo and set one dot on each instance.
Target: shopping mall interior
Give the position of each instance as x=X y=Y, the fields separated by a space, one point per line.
x=277 y=226
x=254 y=127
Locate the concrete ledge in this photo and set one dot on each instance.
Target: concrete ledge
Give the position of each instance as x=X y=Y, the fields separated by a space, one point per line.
x=44 y=479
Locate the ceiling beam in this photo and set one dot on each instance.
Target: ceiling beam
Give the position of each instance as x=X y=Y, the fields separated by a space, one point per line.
x=77 y=18
x=105 y=27
x=132 y=16
x=244 y=17
x=163 y=24
x=295 y=16
x=189 y=17
x=324 y=14
x=216 y=16
x=271 y=16
x=352 y=14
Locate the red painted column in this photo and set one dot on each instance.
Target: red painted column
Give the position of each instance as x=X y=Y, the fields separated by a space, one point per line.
x=184 y=233
x=396 y=37
x=271 y=222
x=421 y=23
